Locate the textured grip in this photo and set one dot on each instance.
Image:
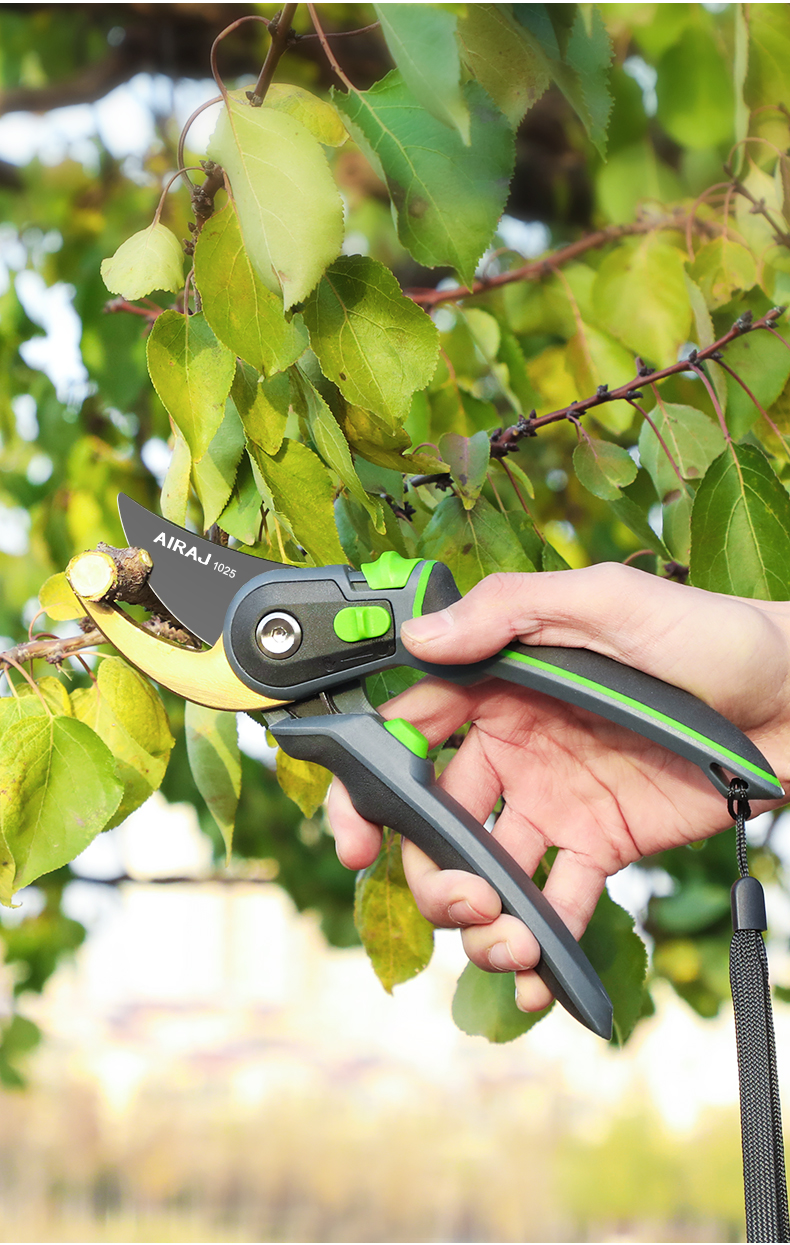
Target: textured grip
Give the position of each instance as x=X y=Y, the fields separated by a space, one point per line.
x=391 y=786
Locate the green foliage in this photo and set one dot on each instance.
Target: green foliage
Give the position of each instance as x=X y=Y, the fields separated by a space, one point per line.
x=307 y=372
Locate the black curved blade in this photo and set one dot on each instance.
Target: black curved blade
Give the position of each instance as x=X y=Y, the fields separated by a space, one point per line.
x=194 y=578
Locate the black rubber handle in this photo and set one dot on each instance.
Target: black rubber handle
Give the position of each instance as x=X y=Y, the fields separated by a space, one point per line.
x=391 y=786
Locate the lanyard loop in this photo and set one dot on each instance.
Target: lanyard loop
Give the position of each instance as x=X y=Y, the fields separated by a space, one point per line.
x=764 y=1180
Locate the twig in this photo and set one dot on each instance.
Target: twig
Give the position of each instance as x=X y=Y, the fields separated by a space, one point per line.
x=282 y=34
x=545 y=266
x=504 y=441
x=330 y=56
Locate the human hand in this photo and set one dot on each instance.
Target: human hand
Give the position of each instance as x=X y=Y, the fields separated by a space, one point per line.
x=602 y=794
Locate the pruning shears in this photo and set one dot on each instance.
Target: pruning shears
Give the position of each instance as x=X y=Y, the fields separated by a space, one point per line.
x=292 y=646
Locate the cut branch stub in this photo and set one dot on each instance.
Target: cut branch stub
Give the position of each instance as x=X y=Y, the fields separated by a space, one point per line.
x=108 y=574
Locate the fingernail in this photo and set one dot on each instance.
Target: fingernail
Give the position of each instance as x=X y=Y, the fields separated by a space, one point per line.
x=500 y=957
x=428 y=627
x=462 y=913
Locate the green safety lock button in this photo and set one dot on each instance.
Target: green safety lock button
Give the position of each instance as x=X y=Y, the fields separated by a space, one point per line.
x=389 y=571
x=362 y=622
x=408 y=735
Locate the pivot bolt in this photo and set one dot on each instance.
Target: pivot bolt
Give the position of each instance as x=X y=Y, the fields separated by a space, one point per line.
x=278 y=635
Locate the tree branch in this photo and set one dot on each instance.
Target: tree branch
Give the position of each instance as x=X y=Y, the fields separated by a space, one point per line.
x=548 y=263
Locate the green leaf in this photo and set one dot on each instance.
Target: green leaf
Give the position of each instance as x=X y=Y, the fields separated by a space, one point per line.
x=289 y=208
x=579 y=58
x=330 y=442
x=152 y=259
x=640 y=297
x=422 y=43
x=484 y=1005
x=317 y=115
x=18 y=1037
x=215 y=473
x=396 y=936
x=373 y=342
x=303 y=782
x=448 y=197
x=512 y=71
x=244 y=314
x=473 y=543
x=691 y=438
x=192 y=373
x=634 y=517
x=242 y=515
x=696 y=100
x=388 y=683
x=721 y=267
x=603 y=468
x=56 y=597
x=126 y=712
x=302 y=493
x=619 y=957
x=263 y=406
x=175 y=487
x=740 y=528
x=59 y=790
x=213 y=751
x=467 y=458
x=552 y=559
x=763 y=364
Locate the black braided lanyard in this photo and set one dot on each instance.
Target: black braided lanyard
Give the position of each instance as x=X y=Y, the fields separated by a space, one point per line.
x=764 y=1181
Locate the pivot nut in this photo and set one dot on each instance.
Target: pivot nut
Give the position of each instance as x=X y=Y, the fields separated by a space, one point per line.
x=278 y=635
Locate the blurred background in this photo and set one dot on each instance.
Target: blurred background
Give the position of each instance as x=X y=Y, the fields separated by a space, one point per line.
x=218 y=1061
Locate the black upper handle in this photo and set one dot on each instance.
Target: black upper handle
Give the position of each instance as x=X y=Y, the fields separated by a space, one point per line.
x=391 y=786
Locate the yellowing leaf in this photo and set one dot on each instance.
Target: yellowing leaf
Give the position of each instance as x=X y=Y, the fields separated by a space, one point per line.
x=150 y=260
x=58 y=790
x=175 y=487
x=58 y=600
x=303 y=782
x=513 y=73
x=125 y=710
x=244 y=314
x=640 y=297
x=720 y=268
x=213 y=750
x=395 y=934
x=192 y=373
x=290 y=211
x=317 y=115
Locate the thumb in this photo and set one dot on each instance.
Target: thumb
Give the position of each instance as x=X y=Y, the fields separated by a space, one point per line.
x=683 y=635
x=584 y=608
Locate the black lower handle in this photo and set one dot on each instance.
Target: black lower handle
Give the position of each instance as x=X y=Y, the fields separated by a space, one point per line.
x=391 y=786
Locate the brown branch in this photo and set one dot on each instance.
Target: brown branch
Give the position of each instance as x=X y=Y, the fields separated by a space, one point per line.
x=546 y=265
x=506 y=440
x=282 y=35
x=782 y=236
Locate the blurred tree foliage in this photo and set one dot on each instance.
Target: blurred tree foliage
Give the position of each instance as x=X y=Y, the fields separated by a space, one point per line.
x=585 y=209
